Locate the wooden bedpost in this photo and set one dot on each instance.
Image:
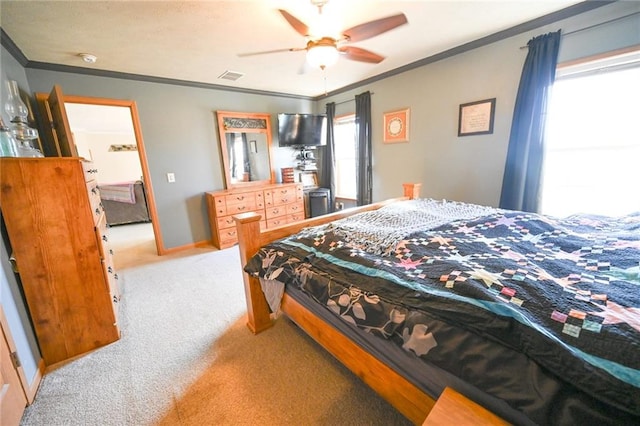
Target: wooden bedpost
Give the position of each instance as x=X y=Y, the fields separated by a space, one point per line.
x=412 y=190
x=258 y=318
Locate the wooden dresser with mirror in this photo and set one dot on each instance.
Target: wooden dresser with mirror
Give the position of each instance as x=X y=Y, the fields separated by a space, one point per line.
x=245 y=147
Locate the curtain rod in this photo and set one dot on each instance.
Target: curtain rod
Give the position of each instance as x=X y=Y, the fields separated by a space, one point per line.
x=349 y=100
x=593 y=26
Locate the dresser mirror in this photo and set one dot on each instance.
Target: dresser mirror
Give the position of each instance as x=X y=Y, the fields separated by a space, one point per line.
x=245 y=145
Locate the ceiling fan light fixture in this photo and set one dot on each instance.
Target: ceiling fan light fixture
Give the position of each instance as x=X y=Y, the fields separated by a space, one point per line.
x=322 y=56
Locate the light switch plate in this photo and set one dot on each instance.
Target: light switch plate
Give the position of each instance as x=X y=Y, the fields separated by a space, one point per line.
x=171 y=177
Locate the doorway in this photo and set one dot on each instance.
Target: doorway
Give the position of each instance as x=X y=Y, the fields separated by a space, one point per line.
x=118 y=118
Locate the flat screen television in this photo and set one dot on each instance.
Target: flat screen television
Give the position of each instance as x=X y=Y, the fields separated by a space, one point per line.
x=300 y=130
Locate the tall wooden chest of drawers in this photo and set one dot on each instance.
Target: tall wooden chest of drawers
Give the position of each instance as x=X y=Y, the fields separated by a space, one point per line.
x=278 y=204
x=58 y=234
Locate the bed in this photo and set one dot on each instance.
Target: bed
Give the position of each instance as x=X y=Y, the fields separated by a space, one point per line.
x=535 y=318
x=124 y=202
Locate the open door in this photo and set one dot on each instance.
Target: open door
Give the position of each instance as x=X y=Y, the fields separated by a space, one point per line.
x=58 y=139
x=13 y=399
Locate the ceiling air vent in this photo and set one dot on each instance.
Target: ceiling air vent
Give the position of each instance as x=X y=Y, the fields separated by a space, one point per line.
x=230 y=75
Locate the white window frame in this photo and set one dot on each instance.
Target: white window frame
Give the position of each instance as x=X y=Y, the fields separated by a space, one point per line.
x=573 y=163
x=345 y=159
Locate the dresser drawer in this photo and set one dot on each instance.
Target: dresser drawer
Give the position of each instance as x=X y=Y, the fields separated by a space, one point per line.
x=102 y=236
x=247 y=206
x=90 y=171
x=95 y=203
x=228 y=237
x=282 y=195
x=113 y=289
x=296 y=217
x=219 y=205
x=236 y=203
x=225 y=222
x=243 y=198
x=295 y=208
x=283 y=220
x=275 y=211
x=277 y=221
x=228 y=221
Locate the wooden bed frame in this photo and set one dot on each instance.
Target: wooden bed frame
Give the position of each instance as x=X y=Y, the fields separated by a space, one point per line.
x=403 y=395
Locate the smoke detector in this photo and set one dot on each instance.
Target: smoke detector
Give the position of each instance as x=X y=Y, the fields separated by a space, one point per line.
x=88 y=58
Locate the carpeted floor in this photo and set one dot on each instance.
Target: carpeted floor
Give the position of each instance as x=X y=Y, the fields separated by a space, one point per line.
x=186 y=357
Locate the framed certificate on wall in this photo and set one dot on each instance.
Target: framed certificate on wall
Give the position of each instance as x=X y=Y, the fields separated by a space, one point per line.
x=476 y=118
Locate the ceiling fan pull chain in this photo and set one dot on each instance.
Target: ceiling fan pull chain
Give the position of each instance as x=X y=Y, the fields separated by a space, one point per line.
x=324 y=76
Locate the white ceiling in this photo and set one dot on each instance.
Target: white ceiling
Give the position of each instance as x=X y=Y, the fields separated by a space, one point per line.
x=198 y=41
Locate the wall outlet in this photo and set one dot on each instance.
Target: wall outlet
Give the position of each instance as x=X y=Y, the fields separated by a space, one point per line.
x=339 y=206
x=171 y=177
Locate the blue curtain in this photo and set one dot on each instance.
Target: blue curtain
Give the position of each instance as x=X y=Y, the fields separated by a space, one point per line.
x=363 y=150
x=522 y=173
x=328 y=171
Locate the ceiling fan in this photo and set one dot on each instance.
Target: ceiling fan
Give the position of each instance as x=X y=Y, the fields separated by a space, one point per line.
x=324 y=51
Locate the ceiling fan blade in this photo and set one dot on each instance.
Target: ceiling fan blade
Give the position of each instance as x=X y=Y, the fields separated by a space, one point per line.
x=373 y=28
x=297 y=24
x=264 y=52
x=359 y=54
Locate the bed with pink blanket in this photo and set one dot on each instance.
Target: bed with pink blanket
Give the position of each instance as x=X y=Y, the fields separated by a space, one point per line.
x=124 y=202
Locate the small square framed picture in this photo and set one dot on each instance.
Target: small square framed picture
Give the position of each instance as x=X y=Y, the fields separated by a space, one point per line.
x=396 y=126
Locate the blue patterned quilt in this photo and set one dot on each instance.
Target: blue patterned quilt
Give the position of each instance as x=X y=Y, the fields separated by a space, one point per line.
x=565 y=292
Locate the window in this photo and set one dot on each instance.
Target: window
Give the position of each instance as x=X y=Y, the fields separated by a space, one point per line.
x=345 y=156
x=592 y=154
